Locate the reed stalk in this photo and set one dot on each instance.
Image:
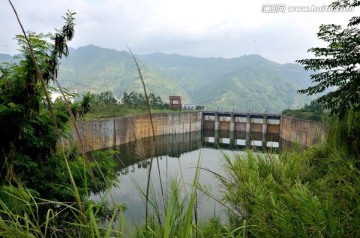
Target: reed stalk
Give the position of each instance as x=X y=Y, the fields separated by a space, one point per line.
x=154 y=143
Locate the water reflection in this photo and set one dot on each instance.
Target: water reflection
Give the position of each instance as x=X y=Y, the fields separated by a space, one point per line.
x=134 y=154
x=240 y=140
x=176 y=156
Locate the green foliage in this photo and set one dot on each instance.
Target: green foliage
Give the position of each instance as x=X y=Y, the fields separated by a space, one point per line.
x=85 y=103
x=156 y=102
x=28 y=133
x=344 y=134
x=45 y=188
x=246 y=82
x=105 y=97
x=348 y=3
x=104 y=105
x=21 y=217
x=213 y=228
x=314 y=112
x=34 y=165
x=99 y=70
x=337 y=66
x=179 y=215
x=315 y=194
x=137 y=100
x=134 y=99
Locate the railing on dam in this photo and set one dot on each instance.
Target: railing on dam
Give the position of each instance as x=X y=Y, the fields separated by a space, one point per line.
x=242 y=128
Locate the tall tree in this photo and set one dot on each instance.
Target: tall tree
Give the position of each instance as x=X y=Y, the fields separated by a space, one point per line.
x=337 y=65
x=29 y=137
x=106 y=97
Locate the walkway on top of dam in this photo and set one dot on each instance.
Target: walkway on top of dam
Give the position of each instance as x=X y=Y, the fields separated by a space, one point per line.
x=243 y=114
x=242 y=128
x=239 y=121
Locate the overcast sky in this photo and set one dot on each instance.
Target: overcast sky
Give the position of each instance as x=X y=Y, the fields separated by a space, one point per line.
x=203 y=28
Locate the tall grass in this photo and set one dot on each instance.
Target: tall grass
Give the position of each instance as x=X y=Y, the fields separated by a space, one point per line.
x=178 y=219
x=22 y=211
x=24 y=214
x=315 y=193
x=310 y=194
x=20 y=216
x=154 y=143
x=344 y=134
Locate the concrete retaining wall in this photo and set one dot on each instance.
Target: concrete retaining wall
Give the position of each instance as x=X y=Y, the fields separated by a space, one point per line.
x=304 y=132
x=104 y=133
x=99 y=134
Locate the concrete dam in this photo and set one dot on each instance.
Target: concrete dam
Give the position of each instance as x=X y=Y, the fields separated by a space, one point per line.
x=258 y=129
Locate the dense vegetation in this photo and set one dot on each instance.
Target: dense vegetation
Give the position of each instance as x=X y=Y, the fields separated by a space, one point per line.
x=311 y=193
x=315 y=193
x=105 y=105
x=337 y=66
x=40 y=177
x=250 y=82
x=45 y=186
x=245 y=83
x=313 y=111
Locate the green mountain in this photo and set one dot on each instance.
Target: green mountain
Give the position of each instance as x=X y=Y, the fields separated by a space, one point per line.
x=249 y=82
x=96 y=69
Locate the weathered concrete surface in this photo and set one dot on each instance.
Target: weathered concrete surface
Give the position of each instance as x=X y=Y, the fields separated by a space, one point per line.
x=240 y=126
x=224 y=125
x=99 y=134
x=304 y=132
x=273 y=128
x=209 y=125
x=256 y=127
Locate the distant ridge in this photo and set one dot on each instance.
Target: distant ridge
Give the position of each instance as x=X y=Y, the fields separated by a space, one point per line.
x=5 y=58
x=248 y=82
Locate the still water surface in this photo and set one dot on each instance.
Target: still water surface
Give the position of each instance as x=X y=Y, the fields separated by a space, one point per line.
x=178 y=157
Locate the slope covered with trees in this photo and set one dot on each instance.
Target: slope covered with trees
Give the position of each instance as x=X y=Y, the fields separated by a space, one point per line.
x=245 y=83
x=250 y=82
x=97 y=70
x=45 y=191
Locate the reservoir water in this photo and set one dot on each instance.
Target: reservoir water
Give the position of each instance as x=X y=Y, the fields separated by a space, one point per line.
x=176 y=157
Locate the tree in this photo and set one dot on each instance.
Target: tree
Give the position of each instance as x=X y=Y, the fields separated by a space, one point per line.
x=133 y=99
x=156 y=101
x=337 y=64
x=29 y=135
x=85 y=103
x=137 y=100
x=31 y=127
x=106 y=97
x=314 y=112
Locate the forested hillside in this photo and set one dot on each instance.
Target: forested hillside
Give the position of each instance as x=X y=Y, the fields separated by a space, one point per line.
x=249 y=82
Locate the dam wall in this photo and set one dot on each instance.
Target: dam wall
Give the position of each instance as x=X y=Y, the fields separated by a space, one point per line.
x=301 y=131
x=109 y=132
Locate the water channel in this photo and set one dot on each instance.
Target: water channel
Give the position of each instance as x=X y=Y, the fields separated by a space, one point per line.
x=177 y=157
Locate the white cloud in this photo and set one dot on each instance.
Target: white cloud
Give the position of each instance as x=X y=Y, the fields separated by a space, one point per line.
x=206 y=28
